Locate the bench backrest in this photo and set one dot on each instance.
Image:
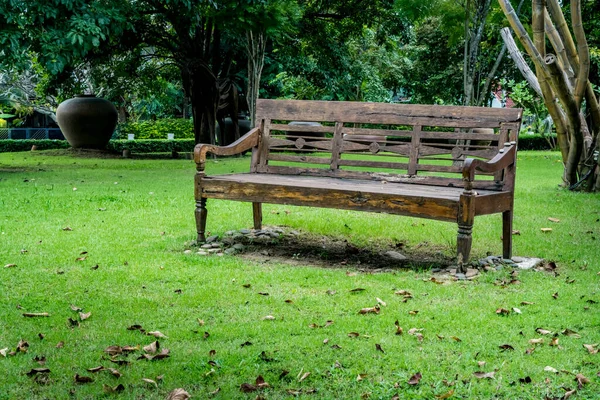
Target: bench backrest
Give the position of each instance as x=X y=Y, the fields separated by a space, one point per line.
x=393 y=142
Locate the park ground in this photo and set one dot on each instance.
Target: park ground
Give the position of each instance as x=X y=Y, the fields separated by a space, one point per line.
x=99 y=244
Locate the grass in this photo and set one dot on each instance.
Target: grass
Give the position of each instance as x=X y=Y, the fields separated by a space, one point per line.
x=134 y=218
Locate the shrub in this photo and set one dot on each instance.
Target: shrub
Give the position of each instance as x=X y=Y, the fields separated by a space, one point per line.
x=182 y=128
x=152 y=145
x=10 y=145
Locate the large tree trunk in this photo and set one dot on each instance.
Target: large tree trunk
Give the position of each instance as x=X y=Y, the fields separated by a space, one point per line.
x=204 y=97
x=564 y=83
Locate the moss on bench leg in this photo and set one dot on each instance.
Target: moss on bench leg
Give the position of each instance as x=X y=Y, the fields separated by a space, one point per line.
x=201 y=214
x=464 y=241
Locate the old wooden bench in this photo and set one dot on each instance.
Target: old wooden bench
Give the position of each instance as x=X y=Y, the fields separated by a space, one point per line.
x=439 y=162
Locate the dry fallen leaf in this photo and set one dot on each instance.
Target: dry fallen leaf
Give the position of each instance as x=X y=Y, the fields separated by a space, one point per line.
x=157 y=334
x=542 y=331
x=110 y=389
x=536 y=341
x=506 y=347
x=550 y=369
x=399 y=330
x=370 y=310
x=33 y=315
x=415 y=379
x=555 y=220
x=380 y=301
x=581 y=380
x=484 y=375
x=150 y=381
x=84 y=316
x=10 y=265
x=152 y=347
x=22 y=346
x=502 y=311
x=353 y=334
x=178 y=394
x=591 y=348
x=269 y=318
x=456 y=339
x=526 y=303
x=546 y=230
x=304 y=376
x=113 y=350
x=96 y=369
x=82 y=379
x=378 y=347
x=516 y=310
x=114 y=372
x=445 y=396
x=356 y=290
x=554 y=341
x=60 y=345
x=4 y=351
x=568 y=332
x=360 y=377
x=35 y=371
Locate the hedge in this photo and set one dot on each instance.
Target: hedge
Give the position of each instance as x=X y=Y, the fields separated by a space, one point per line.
x=182 y=128
x=526 y=142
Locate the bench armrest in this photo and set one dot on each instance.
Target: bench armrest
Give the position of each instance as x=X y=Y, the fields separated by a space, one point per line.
x=503 y=159
x=246 y=142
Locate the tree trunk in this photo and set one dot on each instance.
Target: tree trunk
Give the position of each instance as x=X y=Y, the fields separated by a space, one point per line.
x=255 y=50
x=564 y=78
x=204 y=98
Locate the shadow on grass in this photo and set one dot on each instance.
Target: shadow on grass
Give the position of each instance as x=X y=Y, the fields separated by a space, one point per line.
x=328 y=252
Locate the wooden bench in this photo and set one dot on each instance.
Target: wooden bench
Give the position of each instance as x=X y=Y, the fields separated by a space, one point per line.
x=439 y=162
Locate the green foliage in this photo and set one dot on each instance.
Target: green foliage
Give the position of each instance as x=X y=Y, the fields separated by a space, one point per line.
x=182 y=128
x=25 y=145
x=152 y=145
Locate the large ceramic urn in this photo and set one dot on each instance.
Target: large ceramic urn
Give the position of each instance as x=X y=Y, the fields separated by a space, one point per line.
x=87 y=121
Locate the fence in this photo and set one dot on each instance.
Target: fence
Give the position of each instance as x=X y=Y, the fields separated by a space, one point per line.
x=31 y=133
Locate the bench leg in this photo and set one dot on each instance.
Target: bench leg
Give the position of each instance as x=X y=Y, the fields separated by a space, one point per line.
x=201 y=213
x=257 y=212
x=464 y=240
x=507 y=219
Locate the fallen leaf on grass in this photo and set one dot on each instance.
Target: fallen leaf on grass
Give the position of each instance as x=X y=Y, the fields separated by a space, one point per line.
x=399 y=330
x=536 y=341
x=114 y=372
x=152 y=347
x=591 y=348
x=82 y=379
x=505 y=347
x=33 y=315
x=178 y=394
x=526 y=303
x=380 y=301
x=568 y=332
x=581 y=380
x=150 y=381
x=263 y=293
x=550 y=369
x=75 y=308
x=502 y=311
x=445 y=396
x=360 y=377
x=542 y=331
x=96 y=369
x=336 y=347
x=268 y=318
x=353 y=334
x=35 y=371
x=73 y=322
x=553 y=342
x=304 y=376
x=4 y=351
x=356 y=290
x=378 y=348
x=413 y=312
x=516 y=310
x=415 y=379
x=246 y=343
x=67 y=228
x=456 y=339
x=60 y=345
x=546 y=230
x=110 y=389
x=555 y=295
x=113 y=350
x=84 y=316
x=10 y=265
x=403 y=293
x=157 y=334
x=81 y=258
x=22 y=346
x=484 y=375
x=555 y=220
x=370 y=310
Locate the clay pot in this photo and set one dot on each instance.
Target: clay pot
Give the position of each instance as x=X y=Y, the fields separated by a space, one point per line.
x=87 y=121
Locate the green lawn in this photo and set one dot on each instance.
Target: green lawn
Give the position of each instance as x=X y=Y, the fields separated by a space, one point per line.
x=134 y=218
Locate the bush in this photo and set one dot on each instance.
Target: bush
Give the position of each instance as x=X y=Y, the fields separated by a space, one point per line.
x=25 y=145
x=152 y=145
x=526 y=142
x=182 y=128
